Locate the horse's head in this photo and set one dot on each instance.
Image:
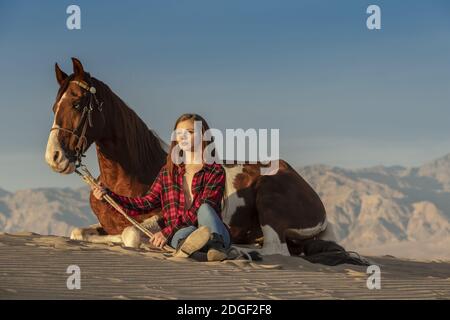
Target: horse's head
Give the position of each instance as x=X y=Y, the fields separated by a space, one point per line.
x=78 y=118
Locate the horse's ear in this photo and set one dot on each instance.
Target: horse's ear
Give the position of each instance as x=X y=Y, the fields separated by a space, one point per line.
x=77 y=68
x=60 y=75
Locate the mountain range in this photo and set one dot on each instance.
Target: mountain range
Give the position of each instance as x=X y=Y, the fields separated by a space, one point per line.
x=392 y=210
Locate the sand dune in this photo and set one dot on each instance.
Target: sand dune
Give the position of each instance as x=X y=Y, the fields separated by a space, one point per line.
x=34 y=267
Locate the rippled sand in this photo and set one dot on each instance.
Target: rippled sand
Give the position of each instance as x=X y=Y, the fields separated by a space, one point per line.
x=34 y=267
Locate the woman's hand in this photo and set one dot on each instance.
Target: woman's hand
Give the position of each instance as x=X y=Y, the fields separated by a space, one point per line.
x=159 y=240
x=99 y=191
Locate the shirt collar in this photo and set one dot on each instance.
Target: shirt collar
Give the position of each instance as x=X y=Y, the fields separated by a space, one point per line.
x=206 y=167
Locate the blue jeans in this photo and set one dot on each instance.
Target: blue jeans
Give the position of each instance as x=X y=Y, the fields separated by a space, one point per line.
x=206 y=216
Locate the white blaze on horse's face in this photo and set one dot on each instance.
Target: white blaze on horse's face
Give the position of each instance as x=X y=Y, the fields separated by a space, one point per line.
x=54 y=154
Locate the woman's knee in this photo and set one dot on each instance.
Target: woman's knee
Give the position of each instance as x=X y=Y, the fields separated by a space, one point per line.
x=205 y=213
x=181 y=234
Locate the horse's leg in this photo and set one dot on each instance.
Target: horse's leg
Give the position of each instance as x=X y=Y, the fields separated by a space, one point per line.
x=92 y=234
x=132 y=237
x=80 y=233
x=269 y=223
x=273 y=213
x=274 y=241
x=287 y=205
x=296 y=238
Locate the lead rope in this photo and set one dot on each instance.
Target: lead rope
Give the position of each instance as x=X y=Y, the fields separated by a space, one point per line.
x=240 y=253
x=89 y=179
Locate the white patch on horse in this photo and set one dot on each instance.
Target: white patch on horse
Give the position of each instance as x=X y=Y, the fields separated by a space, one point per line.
x=53 y=144
x=232 y=198
x=328 y=234
x=59 y=102
x=306 y=233
x=131 y=237
x=272 y=242
x=90 y=234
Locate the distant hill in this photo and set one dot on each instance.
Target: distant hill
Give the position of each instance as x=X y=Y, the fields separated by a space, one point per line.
x=45 y=210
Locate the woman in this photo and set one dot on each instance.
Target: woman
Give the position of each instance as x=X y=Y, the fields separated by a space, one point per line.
x=189 y=191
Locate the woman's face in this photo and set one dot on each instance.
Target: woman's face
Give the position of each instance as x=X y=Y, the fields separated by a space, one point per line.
x=186 y=137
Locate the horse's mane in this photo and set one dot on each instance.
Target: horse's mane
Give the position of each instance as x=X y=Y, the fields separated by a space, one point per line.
x=145 y=154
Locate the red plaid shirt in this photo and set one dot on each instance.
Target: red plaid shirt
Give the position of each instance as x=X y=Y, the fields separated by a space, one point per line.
x=208 y=186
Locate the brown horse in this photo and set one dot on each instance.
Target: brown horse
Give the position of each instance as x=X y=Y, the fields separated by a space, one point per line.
x=280 y=209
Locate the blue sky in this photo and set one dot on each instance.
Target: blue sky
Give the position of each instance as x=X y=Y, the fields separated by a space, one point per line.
x=340 y=94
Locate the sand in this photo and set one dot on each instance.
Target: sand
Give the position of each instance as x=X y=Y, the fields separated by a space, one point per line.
x=34 y=267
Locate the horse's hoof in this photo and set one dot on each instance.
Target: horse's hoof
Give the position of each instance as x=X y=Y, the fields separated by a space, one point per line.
x=76 y=234
x=131 y=237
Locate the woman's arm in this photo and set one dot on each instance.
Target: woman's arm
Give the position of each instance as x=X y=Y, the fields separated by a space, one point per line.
x=172 y=227
x=148 y=202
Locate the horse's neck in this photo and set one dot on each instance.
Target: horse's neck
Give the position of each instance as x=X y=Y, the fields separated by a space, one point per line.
x=115 y=177
x=114 y=164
